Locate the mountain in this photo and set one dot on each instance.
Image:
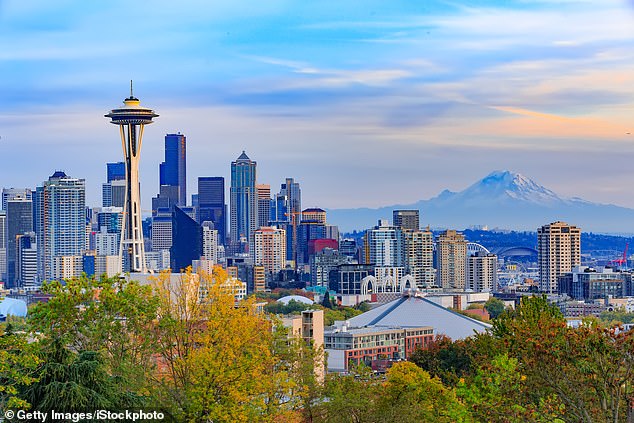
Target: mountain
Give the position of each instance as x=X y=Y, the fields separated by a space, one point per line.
x=502 y=199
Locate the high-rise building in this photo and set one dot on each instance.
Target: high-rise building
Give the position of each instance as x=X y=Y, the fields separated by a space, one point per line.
x=314 y=214
x=11 y=193
x=558 y=251
x=451 y=257
x=419 y=252
x=307 y=231
x=131 y=119
x=173 y=171
x=244 y=202
x=26 y=261
x=384 y=245
x=210 y=243
x=19 y=218
x=406 y=219
x=113 y=190
x=187 y=240
x=286 y=212
x=162 y=230
x=264 y=204
x=482 y=272
x=211 y=204
x=270 y=249
x=61 y=226
x=3 y=246
x=115 y=171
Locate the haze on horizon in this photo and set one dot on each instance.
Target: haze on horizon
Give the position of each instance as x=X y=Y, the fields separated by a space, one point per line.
x=387 y=103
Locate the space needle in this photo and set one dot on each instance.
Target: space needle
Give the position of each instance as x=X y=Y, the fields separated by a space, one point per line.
x=131 y=119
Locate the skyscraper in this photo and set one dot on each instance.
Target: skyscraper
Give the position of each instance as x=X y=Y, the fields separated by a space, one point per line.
x=264 y=204
x=3 y=246
x=187 y=240
x=131 y=119
x=558 y=251
x=270 y=249
x=384 y=245
x=61 y=226
x=26 y=261
x=419 y=251
x=19 y=220
x=406 y=219
x=113 y=190
x=482 y=272
x=244 y=201
x=11 y=193
x=286 y=213
x=451 y=256
x=173 y=171
x=211 y=204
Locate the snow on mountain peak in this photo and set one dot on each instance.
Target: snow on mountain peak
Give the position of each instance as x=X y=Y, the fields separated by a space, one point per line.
x=504 y=184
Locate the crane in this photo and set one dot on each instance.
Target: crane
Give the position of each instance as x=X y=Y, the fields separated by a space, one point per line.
x=621 y=262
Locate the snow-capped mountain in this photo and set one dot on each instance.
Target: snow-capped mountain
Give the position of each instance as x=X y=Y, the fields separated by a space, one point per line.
x=501 y=199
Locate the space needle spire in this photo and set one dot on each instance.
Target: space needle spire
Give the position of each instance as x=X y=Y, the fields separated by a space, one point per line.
x=132 y=118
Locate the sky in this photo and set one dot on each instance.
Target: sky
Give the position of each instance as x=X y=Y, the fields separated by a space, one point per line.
x=365 y=103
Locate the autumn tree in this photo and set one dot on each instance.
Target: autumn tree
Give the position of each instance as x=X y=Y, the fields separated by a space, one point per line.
x=112 y=317
x=220 y=359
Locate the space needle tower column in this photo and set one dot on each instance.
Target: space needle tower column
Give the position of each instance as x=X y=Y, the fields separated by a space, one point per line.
x=131 y=119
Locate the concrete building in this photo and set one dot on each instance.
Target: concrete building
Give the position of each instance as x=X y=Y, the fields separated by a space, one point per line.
x=451 y=257
x=322 y=263
x=309 y=326
x=384 y=245
x=314 y=214
x=482 y=272
x=61 y=226
x=347 y=279
x=558 y=251
x=264 y=204
x=419 y=253
x=26 y=261
x=210 y=243
x=589 y=284
x=375 y=346
x=407 y=220
x=3 y=245
x=270 y=249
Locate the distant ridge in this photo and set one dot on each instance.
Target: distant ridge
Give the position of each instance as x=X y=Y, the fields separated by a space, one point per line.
x=502 y=199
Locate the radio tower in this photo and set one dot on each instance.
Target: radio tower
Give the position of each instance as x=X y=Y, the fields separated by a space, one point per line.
x=131 y=119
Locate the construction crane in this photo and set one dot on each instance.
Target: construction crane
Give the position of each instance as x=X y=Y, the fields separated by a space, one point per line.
x=621 y=262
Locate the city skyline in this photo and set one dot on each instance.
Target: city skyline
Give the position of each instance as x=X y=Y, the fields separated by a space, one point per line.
x=385 y=100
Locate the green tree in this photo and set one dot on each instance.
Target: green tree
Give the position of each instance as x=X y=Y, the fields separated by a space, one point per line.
x=18 y=363
x=494 y=307
x=112 y=317
x=72 y=382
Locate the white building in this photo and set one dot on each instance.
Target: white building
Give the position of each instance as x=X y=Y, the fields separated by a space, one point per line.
x=482 y=272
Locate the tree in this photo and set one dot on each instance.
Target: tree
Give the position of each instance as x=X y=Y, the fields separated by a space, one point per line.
x=111 y=317
x=221 y=361
x=445 y=359
x=18 y=361
x=494 y=307
x=326 y=301
x=71 y=382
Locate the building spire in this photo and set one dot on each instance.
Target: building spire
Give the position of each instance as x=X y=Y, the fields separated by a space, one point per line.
x=131 y=96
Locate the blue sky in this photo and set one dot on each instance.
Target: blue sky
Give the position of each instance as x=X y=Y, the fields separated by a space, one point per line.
x=365 y=103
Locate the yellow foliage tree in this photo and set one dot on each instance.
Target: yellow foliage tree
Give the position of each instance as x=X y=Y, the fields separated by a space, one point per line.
x=221 y=360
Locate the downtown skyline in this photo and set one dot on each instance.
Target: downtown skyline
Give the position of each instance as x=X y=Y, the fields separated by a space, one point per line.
x=391 y=103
